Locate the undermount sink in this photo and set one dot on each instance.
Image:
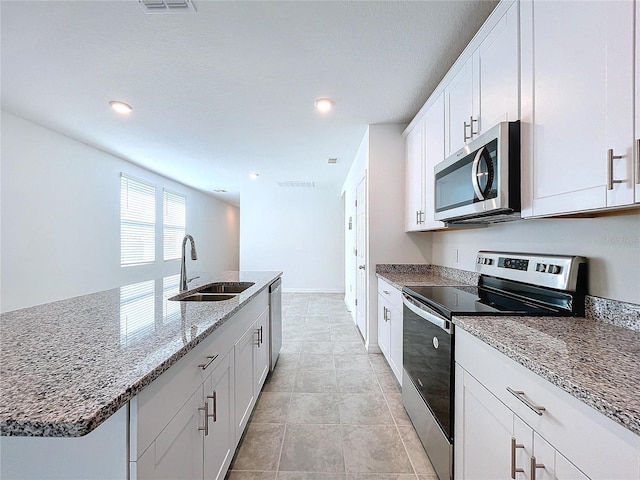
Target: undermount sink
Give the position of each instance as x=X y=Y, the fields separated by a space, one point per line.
x=204 y=297
x=226 y=287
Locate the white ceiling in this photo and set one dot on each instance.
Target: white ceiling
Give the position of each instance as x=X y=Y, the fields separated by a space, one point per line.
x=229 y=90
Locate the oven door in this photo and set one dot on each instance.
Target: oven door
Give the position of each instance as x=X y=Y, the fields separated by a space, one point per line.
x=428 y=360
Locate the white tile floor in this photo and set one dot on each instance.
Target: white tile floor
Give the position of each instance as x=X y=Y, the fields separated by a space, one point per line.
x=329 y=411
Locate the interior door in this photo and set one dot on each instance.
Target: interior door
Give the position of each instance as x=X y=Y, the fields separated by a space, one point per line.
x=361 y=247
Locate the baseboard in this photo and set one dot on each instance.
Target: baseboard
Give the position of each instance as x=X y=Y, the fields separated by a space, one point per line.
x=312 y=290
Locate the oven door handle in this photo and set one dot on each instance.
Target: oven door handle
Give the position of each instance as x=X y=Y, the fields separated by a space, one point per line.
x=422 y=311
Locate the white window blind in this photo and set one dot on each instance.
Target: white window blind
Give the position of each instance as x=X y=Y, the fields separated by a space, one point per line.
x=137 y=311
x=137 y=222
x=173 y=221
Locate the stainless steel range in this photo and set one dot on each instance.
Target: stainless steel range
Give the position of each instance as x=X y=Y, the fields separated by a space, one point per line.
x=509 y=284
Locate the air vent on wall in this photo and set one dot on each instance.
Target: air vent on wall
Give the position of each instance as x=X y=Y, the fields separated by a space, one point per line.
x=167 y=6
x=296 y=184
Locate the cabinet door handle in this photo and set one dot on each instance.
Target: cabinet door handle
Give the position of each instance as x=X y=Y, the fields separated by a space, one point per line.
x=534 y=465
x=471 y=120
x=214 y=397
x=206 y=418
x=210 y=359
x=417 y=217
x=610 y=158
x=385 y=292
x=638 y=161
x=519 y=394
x=388 y=315
x=257 y=337
x=514 y=469
x=465 y=132
x=261 y=337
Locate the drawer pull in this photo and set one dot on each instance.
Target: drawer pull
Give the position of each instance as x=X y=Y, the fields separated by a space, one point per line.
x=211 y=360
x=385 y=292
x=519 y=394
x=515 y=470
x=214 y=397
x=534 y=465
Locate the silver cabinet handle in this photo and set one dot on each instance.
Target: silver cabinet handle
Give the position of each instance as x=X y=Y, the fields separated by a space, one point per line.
x=421 y=217
x=258 y=337
x=514 y=446
x=385 y=292
x=417 y=217
x=534 y=465
x=261 y=337
x=211 y=360
x=206 y=418
x=214 y=397
x=610 y=158
x=465 y=131
x=519 y=394
x=638 y=161
x=471 y=120
x=361 y=267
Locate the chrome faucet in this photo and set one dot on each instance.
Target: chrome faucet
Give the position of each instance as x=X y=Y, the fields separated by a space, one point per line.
x=183 y=266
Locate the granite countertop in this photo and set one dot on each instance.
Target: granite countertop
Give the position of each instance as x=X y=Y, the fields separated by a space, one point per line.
x=66 y=366
x=594 y=361
x=401 y=275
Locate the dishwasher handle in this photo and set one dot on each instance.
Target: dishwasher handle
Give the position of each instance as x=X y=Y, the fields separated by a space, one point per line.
x=423 y=311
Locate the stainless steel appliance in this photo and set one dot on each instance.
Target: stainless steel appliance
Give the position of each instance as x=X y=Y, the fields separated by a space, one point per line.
x=480 y=183
x=509 y=284
x=275 y=322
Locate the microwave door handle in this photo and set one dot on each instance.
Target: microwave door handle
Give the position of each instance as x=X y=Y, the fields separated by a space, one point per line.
x=474 y=174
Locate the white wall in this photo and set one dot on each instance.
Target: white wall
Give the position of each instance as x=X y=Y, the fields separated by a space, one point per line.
x=60 y=227
x=296 y=230
x=612 y=245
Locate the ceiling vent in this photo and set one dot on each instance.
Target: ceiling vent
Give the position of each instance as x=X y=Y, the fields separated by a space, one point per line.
x=168 y=6
x=296 y=184
x=332 y=160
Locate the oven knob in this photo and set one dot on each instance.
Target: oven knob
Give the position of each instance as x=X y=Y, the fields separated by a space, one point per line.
x=436 y=343
x=555 y=269
x=540 y=267
x=488 y=261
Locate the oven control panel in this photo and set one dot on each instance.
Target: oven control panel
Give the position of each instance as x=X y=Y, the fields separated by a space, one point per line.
x=553 y=271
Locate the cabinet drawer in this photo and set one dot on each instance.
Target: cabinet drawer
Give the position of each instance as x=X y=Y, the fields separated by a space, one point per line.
x=596 y=444
x=391 y=294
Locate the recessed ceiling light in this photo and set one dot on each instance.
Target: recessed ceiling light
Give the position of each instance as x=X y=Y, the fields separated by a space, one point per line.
x=254 y=175
x=121 y=107
x=323 y=104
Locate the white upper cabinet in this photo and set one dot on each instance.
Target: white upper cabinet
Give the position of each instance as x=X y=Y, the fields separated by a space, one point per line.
x=459 y=113
x=484 y=90
x=434 y=154
x=414 y=171
x=497 y=63
x=425 y=149
x=577 y=106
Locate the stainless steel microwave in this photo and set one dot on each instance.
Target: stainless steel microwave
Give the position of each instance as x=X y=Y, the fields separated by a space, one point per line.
x=480 y=183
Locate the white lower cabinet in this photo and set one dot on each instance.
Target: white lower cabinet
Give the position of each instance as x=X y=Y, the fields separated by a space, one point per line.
x=188 y=422
x=198 y=441
x=390 y=326
x=499 y=436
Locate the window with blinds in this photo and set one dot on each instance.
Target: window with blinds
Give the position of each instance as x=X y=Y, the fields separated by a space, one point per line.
x=174 y=218
x=170 y=288
x=137 y=222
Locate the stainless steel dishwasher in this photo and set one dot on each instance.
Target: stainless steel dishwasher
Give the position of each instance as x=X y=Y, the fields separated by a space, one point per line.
x=275 y=321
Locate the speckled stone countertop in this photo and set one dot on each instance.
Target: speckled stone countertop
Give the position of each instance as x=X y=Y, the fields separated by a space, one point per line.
x=66 y=366
x=401 y=275
x=595 y=362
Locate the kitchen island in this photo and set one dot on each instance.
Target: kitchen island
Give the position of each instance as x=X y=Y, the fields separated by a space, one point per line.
x=72 y=367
